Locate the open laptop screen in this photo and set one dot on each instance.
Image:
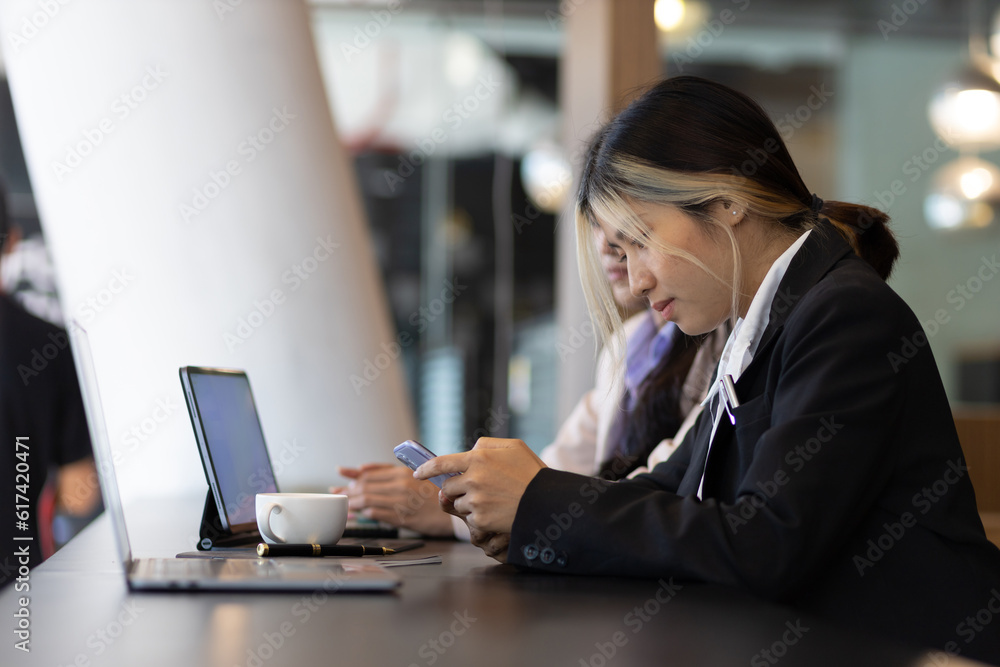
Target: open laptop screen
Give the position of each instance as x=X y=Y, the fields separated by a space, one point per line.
x=231 y=439
x=103 y=456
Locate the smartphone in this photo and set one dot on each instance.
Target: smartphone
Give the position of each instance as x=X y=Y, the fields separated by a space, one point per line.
x=412 y=454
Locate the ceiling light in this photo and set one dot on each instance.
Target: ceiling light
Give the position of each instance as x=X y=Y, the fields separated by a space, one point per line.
x=668 y=14
x=547 y=177
x=465 y=56
x=964 y=194
x=966 y=110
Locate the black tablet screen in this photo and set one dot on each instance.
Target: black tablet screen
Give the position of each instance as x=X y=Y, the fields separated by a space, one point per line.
x=235 y=442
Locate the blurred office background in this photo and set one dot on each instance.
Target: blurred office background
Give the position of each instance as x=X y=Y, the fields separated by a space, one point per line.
x=452 y=115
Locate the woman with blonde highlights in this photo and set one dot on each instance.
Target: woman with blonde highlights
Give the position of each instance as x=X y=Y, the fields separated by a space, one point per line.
x=821 y=473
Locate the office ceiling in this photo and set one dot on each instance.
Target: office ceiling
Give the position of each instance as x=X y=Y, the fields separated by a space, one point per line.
x=927 y=18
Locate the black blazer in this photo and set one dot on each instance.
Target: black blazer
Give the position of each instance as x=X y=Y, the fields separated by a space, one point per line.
x=841 y=490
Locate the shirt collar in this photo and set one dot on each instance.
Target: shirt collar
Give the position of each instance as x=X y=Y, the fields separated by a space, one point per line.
x=743 y=341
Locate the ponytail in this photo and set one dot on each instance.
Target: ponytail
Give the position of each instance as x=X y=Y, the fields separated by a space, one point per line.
x=867 y=230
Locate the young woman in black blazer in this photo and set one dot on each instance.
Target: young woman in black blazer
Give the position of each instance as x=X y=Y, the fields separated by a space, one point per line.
x=825 y=471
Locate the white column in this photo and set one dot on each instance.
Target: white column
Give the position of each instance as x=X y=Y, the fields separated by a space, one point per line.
x=200 y=210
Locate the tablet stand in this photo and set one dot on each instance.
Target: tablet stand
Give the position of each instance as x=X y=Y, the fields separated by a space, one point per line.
x=212 y=535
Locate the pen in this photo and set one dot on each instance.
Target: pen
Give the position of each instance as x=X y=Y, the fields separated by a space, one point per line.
x=729 y=392
x=267 y=550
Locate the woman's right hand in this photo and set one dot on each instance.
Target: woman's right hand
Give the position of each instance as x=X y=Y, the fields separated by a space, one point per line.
x=494 y=476
x=389 y=493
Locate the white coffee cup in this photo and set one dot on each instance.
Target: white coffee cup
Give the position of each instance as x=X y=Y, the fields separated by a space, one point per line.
x=301 y=518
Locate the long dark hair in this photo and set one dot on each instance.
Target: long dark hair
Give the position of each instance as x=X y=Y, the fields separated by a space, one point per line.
x=657 y=413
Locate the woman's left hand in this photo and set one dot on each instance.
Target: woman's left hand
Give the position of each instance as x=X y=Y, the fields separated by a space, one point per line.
x=495 y=474
x=493 y=545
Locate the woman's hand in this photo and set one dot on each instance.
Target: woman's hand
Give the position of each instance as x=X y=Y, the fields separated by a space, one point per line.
x=493 y=545
x=389 y=493
x=494 y=476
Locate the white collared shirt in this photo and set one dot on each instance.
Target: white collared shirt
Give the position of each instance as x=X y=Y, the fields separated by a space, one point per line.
x=743 y=341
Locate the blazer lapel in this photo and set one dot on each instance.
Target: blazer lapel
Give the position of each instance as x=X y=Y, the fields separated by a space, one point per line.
x=824 y=248
x=692 y=477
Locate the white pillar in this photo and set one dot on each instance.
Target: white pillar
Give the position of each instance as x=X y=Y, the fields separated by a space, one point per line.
x=200 y=210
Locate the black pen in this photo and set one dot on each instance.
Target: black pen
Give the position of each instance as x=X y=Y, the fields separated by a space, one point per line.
x=268 y=550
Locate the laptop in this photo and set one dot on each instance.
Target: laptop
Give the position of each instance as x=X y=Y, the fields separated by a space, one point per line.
x=209 y=574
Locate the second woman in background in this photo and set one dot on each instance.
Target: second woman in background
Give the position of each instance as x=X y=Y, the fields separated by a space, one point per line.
x=612 y=432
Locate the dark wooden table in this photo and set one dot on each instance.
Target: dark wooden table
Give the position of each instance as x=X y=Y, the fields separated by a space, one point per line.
x=466 y=611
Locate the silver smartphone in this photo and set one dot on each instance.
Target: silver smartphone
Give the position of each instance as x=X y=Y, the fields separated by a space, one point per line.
x=413 y=454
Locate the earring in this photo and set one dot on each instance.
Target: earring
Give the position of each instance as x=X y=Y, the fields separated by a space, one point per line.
x=734 y=212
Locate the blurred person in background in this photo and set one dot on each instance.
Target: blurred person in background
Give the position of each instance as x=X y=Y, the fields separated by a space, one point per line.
x=46 y=464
